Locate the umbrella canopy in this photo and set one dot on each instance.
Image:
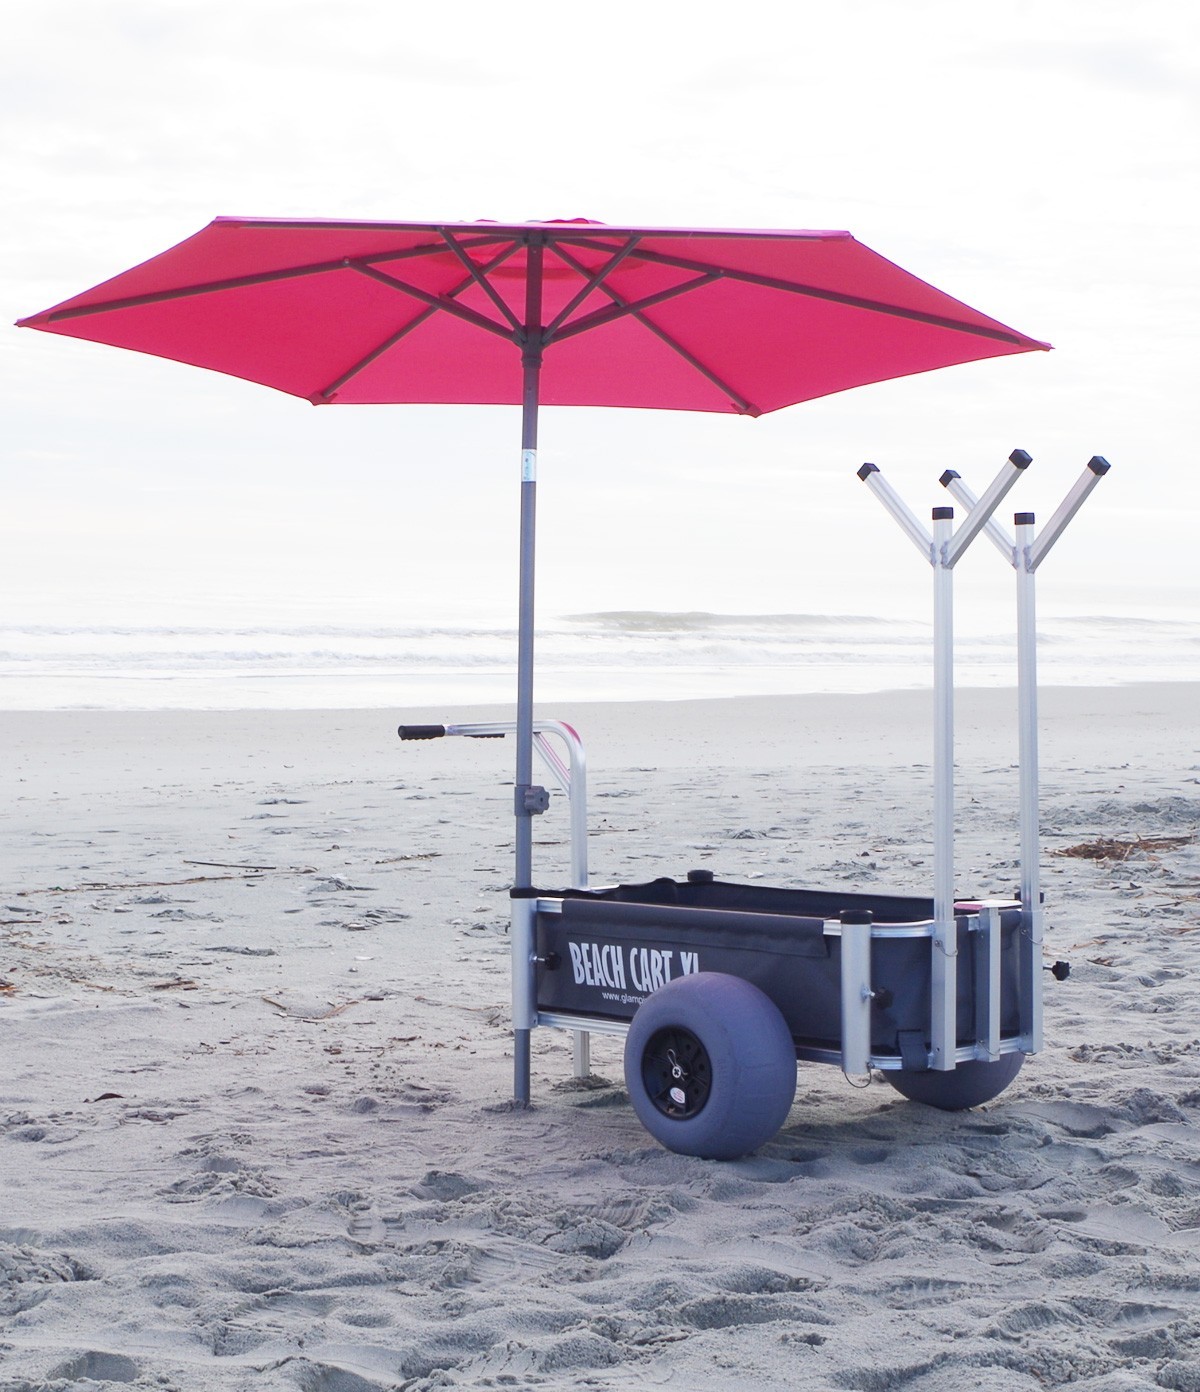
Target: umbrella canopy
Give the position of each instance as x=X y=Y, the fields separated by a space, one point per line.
x=562 y=313
x=354 y=312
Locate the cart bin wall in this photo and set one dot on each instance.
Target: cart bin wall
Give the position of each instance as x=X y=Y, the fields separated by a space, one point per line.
x=602 y=954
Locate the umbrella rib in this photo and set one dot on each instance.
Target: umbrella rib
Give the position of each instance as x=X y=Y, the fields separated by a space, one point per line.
x=940 y=321
x=326 y=394
x=746 y=407
x=442 y=302
x=634 y=311
x=480 y=278
x=182 y=292
x=620 y=308
x=594 y=281
x=244 y=282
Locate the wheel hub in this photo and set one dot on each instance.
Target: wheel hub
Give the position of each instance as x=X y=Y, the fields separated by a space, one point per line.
x=677 y=1072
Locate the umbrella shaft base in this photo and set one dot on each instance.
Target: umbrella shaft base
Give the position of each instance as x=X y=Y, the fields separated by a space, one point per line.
x=521 y=1065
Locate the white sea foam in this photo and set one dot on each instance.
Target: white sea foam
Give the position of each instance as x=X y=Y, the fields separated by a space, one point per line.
x=619 y=655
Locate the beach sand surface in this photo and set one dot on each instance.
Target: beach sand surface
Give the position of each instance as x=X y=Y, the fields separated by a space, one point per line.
x=255 y=1129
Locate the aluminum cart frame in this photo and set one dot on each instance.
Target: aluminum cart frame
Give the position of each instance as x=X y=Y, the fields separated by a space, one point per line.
x=846 y=972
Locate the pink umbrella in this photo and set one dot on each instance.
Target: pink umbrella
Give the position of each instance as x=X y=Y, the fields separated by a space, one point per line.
x=350 y=313
x=562 y=313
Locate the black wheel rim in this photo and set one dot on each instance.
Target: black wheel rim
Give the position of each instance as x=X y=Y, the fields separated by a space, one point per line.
x=677 y=1073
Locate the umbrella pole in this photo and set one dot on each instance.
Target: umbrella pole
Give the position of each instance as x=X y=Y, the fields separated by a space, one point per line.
x=527 y=800
x=525 y=803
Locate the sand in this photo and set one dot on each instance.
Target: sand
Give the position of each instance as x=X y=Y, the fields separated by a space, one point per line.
x=254 y=1128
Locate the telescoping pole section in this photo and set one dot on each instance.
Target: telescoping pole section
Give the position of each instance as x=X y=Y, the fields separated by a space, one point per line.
x=1025 y=554
x=943 y=549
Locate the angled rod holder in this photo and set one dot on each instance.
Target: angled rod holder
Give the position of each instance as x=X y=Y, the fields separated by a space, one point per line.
x=1095 y=469
x=1025 y=553
x=887 y=495
x=943 y=548
x=1002 y=540
x=980 y=513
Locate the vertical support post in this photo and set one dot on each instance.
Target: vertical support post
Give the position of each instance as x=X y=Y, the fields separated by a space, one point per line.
x=523 y=802
x=578 y=797
x=1033 y=917
x=944 y=549
x=1026 y=555
x=944 y=976
x=581 y=1053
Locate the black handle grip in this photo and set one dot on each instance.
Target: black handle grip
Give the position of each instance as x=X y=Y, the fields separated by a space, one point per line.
x=416 y=732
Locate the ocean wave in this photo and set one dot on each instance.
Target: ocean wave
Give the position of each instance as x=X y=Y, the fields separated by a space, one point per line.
x=606 y=655
x=702 y=621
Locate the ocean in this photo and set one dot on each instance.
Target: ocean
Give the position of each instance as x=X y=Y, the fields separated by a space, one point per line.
x=611 y=656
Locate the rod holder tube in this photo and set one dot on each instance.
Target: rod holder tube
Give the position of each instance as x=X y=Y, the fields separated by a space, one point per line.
x=856 y=991
x=944 y=975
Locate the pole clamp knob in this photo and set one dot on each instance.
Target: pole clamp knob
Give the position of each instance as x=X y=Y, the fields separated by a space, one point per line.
x=531 y=800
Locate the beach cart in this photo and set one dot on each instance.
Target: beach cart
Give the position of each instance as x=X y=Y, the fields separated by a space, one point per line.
x=720 y=987
x=723 y=320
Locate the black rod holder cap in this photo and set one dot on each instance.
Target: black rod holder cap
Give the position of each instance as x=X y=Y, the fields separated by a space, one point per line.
x=1099 y=465
x=867 y=470
x=943 y=514
x=1021 y=458
x=1023 y=519
x=856 y=916
x=948 y=477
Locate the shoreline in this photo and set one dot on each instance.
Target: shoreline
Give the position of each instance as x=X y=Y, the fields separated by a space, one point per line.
x=489 y=709
x=1075 y=718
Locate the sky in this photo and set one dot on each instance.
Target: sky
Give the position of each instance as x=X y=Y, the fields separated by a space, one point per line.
x=1036 y=160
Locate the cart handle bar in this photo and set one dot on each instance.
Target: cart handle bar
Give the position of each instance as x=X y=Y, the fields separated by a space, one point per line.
x=570 y=773
x=427 y=732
